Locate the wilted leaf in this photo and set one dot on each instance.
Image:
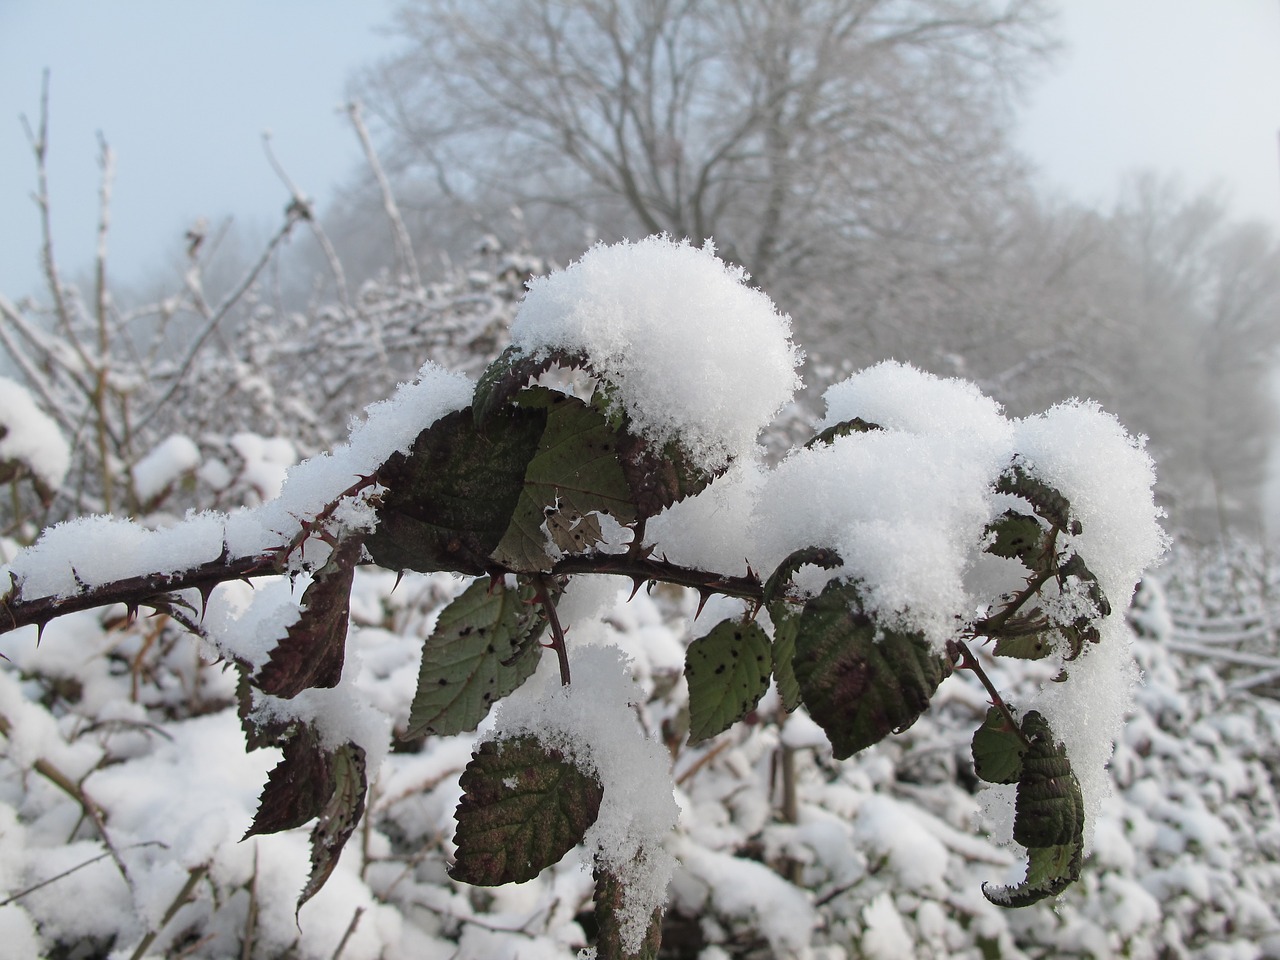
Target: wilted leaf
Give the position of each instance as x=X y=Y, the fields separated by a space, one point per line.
x=786 y=623
x=728 y=673
x=1048 y=819
x=575 y=472
x=314 y=647
x=523 y=807
x=997 y=749
x=483 y=647
x=1048 y=502
x=859 y=682
x=449 y=502
x=339 y=817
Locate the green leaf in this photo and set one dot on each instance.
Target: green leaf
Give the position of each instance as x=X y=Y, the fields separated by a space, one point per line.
x=1029 y=646
x=858 y=681
x=312 y=651
x=574 y=473
x=1017 y=536
x=338 y=818
x=1050 y=870
x=509 y=374
x=786 y=624
x=997 y=749
x=658 y=478
x=843 y=429
x=523 y=807
x=483 y=647
x=728 y=672
x=449 y=501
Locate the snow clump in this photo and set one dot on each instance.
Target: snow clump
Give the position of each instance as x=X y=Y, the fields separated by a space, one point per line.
x=694 y=354
x=29 y=437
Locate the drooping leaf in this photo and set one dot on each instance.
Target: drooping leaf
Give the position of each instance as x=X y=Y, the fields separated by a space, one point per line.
x=449 y=501
x=258 y=733
x=1049 y=810
x=1047 y=501
x=509 y=374
x=339 y=816
x=1048 y=819
x=312 y=651
x=1017 y=536
x=843 y=429
x=610 y=902
x=574 y=473
x=483 y=647
x=858 y=681
x=998 y=748
x=523 y=807
x=728 y=672
x=786 y=623
x=297 y=788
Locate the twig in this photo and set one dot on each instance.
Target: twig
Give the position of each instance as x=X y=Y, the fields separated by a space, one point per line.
x=543 y=589
x=66 y=873
x=351 y=928
x=194 y=876
x=965 y=660
x=404 y=246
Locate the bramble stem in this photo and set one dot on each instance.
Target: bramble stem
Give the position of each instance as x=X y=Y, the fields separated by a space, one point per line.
x=965 y=660
x=542 y=586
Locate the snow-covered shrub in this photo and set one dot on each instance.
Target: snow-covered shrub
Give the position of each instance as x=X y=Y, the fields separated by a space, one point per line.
x=851 y=579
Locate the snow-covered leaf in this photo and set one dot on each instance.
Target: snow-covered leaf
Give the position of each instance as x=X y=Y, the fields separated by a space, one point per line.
x=574 y=473
x=449 y=502
x=510 y=373
x=311 y=653
x=728 y=672
x=842 y=429
x=1047 y=501
x=523 y=807
x=482 y=648
x=860 y=681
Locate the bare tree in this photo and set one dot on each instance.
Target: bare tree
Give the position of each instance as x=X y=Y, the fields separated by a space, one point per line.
x=794 y=132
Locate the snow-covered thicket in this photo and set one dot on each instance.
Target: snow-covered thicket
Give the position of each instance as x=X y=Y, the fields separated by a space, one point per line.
x=858 y=573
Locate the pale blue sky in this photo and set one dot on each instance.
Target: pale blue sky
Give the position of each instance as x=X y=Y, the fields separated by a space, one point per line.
x=183 y=90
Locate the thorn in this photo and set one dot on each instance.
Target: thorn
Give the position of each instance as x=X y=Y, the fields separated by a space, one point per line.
x=636 y=584
x=130 y=614
x=40 y=625
x=206 y=591
x=399 y=577
x=703 y=596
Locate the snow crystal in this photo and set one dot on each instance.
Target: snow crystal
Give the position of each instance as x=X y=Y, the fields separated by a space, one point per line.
x=693 y=352
x=30 y=437
x=592 y=721
x=164 y=465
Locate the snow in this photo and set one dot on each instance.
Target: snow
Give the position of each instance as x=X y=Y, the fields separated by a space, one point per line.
x=31 y=437
x=167 y=462
x=592 y=721
x=884 y=935
x=694 y=354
